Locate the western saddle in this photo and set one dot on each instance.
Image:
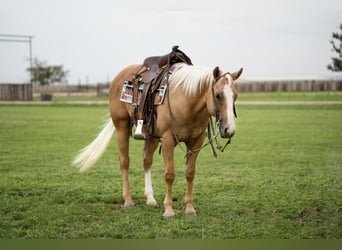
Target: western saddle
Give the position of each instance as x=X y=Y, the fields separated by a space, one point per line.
x=151 y=74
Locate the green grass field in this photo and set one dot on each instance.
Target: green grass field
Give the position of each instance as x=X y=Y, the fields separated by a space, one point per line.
x=280 y=178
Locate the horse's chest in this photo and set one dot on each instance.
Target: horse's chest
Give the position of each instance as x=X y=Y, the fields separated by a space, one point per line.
x=197 y=132
x=191 y=132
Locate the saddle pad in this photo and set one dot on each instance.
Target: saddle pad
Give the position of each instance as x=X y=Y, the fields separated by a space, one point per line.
x=127 y=89
x=127 y=92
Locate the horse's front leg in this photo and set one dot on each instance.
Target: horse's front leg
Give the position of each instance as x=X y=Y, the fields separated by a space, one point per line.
x=193 y=152
x=151 y=146
x=168 y=154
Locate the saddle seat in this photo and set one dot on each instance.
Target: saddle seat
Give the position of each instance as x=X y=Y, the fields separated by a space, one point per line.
x=155 y=64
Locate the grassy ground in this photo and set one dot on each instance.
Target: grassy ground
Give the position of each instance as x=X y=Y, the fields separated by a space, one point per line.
x=280 y=178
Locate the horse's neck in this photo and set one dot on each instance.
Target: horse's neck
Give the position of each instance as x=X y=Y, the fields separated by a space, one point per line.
x=197 y=104
x=193 y=85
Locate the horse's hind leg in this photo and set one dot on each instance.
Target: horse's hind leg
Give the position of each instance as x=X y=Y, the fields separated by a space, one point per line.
x=151 y=146
x=123 y=134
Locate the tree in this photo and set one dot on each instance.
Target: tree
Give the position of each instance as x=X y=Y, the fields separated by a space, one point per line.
x=45 y=75
x=336 y=64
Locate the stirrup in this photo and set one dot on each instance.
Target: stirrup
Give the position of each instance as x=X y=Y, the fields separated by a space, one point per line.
x=138 y=131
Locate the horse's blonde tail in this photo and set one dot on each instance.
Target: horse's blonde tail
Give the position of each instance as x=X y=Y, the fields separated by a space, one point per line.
x=89 y=155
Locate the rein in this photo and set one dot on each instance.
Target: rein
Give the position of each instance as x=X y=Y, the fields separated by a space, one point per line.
x=218 y=145
x=211 y=140
x=212 y=137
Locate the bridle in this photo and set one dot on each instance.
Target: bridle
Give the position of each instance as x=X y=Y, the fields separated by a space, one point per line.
x=211 y=128
x=215 y=103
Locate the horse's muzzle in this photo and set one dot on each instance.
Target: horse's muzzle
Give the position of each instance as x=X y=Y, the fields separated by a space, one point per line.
x=226 y=132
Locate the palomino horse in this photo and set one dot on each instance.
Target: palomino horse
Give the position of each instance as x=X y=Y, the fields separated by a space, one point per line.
x=194 y=94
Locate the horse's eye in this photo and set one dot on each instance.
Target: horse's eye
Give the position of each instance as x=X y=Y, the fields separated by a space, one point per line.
x=218 y=96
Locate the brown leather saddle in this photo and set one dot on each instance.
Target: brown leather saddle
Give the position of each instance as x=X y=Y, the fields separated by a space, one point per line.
x=151 y=74
x=155 y=64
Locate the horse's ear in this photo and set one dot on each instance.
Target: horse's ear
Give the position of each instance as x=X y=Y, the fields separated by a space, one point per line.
x=236 y=74
x=216 y=72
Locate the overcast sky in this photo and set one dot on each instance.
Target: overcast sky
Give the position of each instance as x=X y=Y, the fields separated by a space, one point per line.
x=94 y=39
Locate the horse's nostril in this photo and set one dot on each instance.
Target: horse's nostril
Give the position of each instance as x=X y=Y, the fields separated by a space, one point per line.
x=226 y=130
x=226 y=133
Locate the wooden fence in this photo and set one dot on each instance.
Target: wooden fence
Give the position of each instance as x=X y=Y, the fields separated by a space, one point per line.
x=16 y=92
x=24 y=92
x=289 y=85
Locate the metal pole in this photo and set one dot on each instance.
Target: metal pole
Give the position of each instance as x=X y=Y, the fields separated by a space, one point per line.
x=31 y=71
x=20 y=39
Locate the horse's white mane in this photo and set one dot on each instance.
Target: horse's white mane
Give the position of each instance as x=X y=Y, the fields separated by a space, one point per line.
x=191 y=78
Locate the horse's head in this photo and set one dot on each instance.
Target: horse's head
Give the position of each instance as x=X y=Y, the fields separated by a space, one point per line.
x=224 y=95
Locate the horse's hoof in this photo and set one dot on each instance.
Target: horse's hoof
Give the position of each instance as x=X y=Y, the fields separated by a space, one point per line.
x=152 y=203
x=129 y=206
x=168 y=214
x=168 y=217
x=191 y=214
